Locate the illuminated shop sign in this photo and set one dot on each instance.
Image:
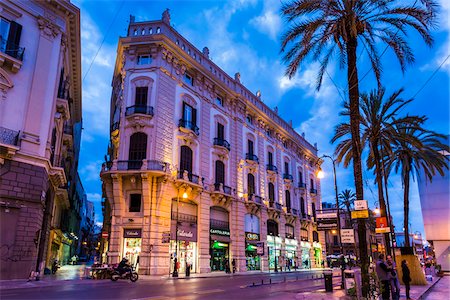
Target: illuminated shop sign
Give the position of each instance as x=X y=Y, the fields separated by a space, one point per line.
x=250 y=236
x=219 y=232
x=132 y=233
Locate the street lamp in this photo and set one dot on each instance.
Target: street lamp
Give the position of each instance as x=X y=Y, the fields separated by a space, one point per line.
x=175 y=269
x=320 y=174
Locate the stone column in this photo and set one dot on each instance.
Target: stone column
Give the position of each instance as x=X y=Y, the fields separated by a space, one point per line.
x=116 y=237
x=203 y=233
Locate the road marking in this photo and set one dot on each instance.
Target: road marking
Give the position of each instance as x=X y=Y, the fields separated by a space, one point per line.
x=209 y=292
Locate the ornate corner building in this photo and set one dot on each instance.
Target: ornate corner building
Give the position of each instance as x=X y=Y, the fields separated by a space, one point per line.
x=40 y=130
x=199 y=168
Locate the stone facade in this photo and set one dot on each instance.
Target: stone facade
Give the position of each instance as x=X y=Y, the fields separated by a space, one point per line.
x=188 y=174
x=40 y=128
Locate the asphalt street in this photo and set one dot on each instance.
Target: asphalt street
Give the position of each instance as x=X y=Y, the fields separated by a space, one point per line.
x=283 y=286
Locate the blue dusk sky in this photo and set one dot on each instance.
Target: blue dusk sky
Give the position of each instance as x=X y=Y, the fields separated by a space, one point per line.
x=244 y=36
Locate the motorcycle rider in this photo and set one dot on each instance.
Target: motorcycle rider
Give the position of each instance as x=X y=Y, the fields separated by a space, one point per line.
x=123 y=266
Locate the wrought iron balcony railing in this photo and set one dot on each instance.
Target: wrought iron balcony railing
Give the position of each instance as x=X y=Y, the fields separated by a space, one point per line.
x=252 y=157
x=295 y=211
x=302 y=185
x=139 y=109
x=189 y=125
x=255 y=198
x=313 y=191
x=288 y=176
x=226 y=189
x=190 y=177
x=129 y=165
x=271 y=167
x=275 y=205
x=222 y=143
x=11 y=49
x=8 y=136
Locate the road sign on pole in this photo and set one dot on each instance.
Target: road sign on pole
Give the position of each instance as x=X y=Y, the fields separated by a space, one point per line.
x=361 y=204
x=360 y=214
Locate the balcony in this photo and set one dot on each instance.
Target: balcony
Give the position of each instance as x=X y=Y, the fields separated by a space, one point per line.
x=11 y=54
x=219 y=187
x=302 y=185
x=255 y=198
x=139 y=109
x=295 y=212
x=275 y=205
x=123 y=165
x=115 y=126
x=217 y=224
x=251 y=157
x=188 y=125
x=144 y=165
x=186 y=176
x=287 y=176
x=313 y=191
x=273 y=168
x=9 y=137
x=222 y=143
x=156 y=165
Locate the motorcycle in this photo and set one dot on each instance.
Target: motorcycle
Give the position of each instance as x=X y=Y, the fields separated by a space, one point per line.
x=129 y=274
x=55 y=266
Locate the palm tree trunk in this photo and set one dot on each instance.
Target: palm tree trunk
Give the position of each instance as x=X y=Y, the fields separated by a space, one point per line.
x=379 y=179
x=406 y=209
x=352 y=77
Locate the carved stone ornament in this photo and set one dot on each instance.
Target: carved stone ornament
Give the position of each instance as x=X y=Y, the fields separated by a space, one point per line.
x=5 y=83
x=48 y=28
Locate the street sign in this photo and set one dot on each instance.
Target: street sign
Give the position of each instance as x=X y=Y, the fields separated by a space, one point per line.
x=360 y=204
x=382 y=230
x=347 y=236
x=326 y=215
x=360 y=214
x=326 y=225
x=104 y=235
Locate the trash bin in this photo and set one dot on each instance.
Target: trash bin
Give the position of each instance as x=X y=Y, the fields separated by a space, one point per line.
x=328 y=276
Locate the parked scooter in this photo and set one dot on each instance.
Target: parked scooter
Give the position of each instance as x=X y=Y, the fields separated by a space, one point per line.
x=55 y=266
x=128 y=274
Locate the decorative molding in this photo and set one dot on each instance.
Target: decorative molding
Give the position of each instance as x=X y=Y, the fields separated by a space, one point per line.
x=48 y=29
x=5 y=83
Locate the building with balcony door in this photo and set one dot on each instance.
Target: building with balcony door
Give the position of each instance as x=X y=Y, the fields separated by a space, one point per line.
x=40 y=130
x=199 y=168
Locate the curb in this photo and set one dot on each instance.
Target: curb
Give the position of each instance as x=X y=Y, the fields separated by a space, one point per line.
x=428 y=289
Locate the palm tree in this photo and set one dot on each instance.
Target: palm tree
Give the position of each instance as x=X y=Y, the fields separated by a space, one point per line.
x=346 y=200
x=320 y=28
x=415 y=150
x=377 y=121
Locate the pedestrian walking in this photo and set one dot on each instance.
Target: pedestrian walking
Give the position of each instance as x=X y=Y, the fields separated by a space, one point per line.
x=394 y=282
x=188 y=269
x=406 y=277
x=233 y=265
x=383 y=275
x=227 y=266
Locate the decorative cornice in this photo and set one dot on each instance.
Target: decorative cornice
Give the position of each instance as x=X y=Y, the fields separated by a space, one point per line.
x=47 y=27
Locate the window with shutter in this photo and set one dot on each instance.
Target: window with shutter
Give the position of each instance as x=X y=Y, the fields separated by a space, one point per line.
x=250 y=184
x=138 y=150
x=141 y=96
x=250 y=147
x=286 y=167
x=302 y=205
x=220 y=131
x=186 y=159
x=271 y=192
x=270 y=158
x=220 y=172
x=288 y=199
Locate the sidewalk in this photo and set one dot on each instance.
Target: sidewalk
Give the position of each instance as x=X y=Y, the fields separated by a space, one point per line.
x=440 y=290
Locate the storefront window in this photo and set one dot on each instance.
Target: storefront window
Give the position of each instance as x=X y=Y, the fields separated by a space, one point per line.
x=306 y=261
x=132 y=246
x=253 y=260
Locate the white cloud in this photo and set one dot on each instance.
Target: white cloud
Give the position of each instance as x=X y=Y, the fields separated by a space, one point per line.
x=94 y=197
x=91 y=171
x=270 y=21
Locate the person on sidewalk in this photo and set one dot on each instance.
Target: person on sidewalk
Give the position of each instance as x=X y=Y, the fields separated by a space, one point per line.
x=383 y=275
x=395 y=284
x=233 y=264
x=406 y=277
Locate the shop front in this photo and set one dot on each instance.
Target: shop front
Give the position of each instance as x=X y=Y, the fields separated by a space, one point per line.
x=252 y=240
x=253 y=260
x=132 y=241
x=219 y=234
x=274 y=245
x=183 y=236
x=290 y=246
x=306 y=260
x=317 y=252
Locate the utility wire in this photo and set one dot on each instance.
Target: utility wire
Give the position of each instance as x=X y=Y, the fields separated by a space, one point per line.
x=104 y=38
x=431 y=76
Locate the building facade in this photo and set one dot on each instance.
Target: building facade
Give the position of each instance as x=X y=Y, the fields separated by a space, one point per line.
x=436 y=211
x=199 y=169
x=40 y=128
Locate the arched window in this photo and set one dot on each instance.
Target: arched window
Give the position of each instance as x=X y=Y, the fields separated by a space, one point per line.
x=186 y=159
x=250 y=184
x=272 y=228
x=137 y=151
x=271 y=192
x=251 y=223
x=220 y=172
x=302 y=205
x=288 y=200
x=289 y=229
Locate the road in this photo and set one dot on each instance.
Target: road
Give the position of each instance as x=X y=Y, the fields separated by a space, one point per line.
x=284 y=286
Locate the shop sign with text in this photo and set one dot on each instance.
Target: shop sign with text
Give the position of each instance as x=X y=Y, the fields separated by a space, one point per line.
x=250 y=236
x=132 y=233
x=260 y=248
x=223 y=232
x=360 y=214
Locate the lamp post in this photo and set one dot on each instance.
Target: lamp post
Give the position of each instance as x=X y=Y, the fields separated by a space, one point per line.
x=321 y=175
x=175 y=269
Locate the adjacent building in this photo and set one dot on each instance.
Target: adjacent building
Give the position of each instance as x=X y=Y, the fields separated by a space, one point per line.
x=199 y=169
x=40 y=129
x=434 y=200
